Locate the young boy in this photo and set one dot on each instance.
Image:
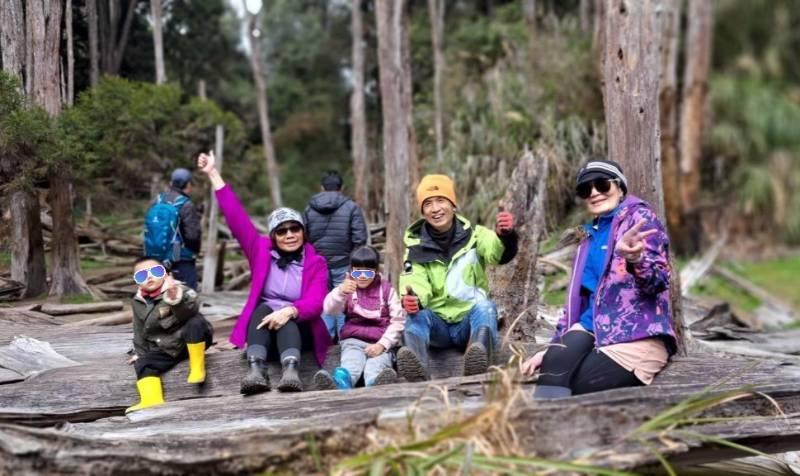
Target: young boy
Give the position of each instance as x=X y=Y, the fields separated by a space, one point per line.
x=374 y=320
x=167 y=328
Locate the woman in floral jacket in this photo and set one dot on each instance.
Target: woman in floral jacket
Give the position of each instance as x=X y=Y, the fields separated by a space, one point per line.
x=617 y=327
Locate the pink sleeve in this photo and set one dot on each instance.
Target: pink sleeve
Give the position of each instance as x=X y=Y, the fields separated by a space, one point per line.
x=334 y=302
x=238 y=221
x=391 y=336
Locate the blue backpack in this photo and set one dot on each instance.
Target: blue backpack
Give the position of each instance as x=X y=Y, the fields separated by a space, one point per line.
x=162 y=236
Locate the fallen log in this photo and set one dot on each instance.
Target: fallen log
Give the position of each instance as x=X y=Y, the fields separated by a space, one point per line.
x=63 y=309
x=305 y=433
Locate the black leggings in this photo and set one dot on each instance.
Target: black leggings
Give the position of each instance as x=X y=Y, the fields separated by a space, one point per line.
x=579 y=367
x=154 y=364
x=261 y=342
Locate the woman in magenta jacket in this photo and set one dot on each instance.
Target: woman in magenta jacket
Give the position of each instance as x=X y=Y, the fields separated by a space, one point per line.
x=289 y=284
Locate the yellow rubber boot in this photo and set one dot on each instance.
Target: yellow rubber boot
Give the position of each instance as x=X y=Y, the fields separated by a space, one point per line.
x=197 y=362
x=150 y=394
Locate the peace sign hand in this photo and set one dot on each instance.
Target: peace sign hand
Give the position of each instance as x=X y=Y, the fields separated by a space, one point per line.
x=632 y=242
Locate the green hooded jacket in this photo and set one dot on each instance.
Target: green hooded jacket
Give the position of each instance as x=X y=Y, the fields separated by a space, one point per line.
x=451 y=286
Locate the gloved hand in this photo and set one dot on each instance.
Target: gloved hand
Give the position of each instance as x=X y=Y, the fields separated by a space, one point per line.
x=410 y=301
x=504 y=223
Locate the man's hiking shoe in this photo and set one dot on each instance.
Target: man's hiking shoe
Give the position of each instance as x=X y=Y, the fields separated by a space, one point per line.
x=412 y=358
x=256 y=380
x=385 y=377
x=290 y=380
x=323 y=381
x=478 y=355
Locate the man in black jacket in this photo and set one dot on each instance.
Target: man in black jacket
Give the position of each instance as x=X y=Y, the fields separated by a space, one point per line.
x=335 y=226
x=185 y=269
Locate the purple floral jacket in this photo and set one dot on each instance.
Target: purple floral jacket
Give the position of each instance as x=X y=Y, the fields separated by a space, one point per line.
x=632 y=299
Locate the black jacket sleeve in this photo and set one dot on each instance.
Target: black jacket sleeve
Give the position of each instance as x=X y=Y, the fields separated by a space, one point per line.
x=358 y=227
x=510 y=243
x=191 y=231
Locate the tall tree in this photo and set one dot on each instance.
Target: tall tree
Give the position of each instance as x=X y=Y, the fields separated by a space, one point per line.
x=256 y=65
x=27 y=245
x=436 y=11
x=699 y=34
x=44 y=25
x=391 y=18
x=158 y=40
x=358 y=112
x=668 y=110
x=94 y=52
x=631 y=69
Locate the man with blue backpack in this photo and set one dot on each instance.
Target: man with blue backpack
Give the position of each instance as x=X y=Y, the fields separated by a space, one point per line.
x=172 y=231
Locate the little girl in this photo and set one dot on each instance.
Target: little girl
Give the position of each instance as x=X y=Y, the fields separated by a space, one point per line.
x=374 y=322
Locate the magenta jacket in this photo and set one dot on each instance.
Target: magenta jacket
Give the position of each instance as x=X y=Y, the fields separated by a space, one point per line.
x=257 y=248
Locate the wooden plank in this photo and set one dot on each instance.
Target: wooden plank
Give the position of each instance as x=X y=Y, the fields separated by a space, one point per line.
x=64 y=309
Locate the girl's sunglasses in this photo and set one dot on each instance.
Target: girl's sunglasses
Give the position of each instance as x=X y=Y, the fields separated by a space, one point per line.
x=362 y=273
x=602 y=185
x=156 y=271
x=295 y=229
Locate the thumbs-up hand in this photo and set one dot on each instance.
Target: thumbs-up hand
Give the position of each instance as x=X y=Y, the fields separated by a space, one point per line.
x=505 y=221
x=206 y=162
x=410 y=301
x=348 y=287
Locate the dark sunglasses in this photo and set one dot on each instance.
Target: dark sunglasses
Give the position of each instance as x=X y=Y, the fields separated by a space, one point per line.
x=295 y=229
x=365 y=273
x=156 y=271
x=602 y=185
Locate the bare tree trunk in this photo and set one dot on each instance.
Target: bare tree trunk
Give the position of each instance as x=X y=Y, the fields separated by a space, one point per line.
x=514 y=287
x=695 y=93
x=599 y=40
x=408 y=101
x=65 y=259
x=256 y=65
x=12 y=35
x=70 y=54
x=158 y=41
x=27 y=246
x=94 y=54
x=631 y=66
x=211 y=257
x=436 y=10
x=584 y=14
x=668 y=110
x=397 y=146
x=201 y=90
x=119 y=49
x=358 y=113
x=529 y=11
x=631 y=95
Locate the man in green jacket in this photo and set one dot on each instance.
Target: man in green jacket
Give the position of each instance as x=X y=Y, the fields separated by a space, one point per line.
x=444 y=281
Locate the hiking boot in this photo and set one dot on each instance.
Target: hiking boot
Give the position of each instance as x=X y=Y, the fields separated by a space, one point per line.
x=478 y=356
x=256 y=380
x=412 y=359
x=290 y=379
x=323 y=381
x=385 y=377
